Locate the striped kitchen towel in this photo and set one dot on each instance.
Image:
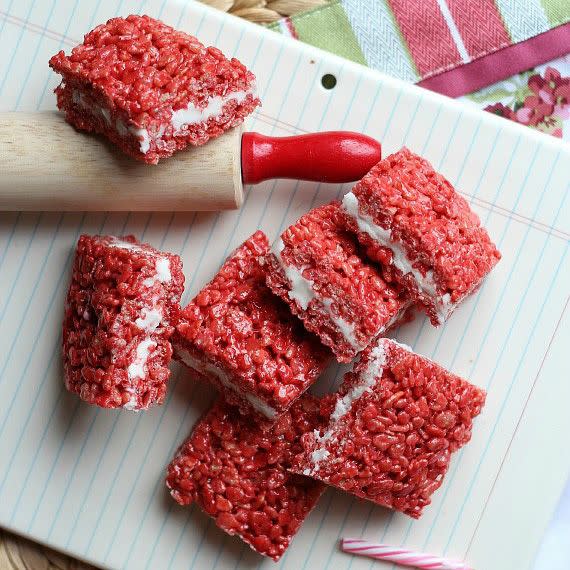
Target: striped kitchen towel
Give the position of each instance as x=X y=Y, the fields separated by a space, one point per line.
x=450 y=46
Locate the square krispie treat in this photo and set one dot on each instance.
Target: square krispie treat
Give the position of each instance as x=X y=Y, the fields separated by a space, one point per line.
x=398 y=418
x=244 y=340
x=150 y=89
x=119 y=315
x=317 y=269
x=236 y=470
x=411 y=219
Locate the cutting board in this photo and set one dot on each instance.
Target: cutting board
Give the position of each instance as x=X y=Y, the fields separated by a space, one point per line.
x=90 y=481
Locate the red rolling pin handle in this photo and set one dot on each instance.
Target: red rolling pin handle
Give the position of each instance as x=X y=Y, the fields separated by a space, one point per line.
x=335 y=156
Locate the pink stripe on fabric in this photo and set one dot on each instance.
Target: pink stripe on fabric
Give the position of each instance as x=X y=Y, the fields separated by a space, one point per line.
x=480 y=25
x=291 y=28
x=426 y=33
x=501 y=64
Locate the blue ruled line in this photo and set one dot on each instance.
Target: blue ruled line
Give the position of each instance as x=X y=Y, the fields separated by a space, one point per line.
x=37 y=396
x=36 y=52
x=16 y=48
x=18 y=272
x=509 y=333
x=82 y=503
x=49 y=75
x=505 y=399
x=52 y=469
x=50 y=474
x=5 y=18
x=9 y=240
x=24 y=486
x=71 y=475
x=24 y=319
x=489 y=327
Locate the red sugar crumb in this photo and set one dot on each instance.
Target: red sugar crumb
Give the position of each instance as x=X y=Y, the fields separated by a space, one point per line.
x=130 y=77
x=119 y=313
x=245 y=341
x=419 y=220
x=316 y=268
x=237 y=473
x=398 y=418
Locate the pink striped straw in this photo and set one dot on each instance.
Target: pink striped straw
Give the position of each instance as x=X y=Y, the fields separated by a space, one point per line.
x=399 y=555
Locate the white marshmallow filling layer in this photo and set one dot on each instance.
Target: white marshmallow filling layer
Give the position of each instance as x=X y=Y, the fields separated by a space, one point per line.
x=148 y=322
x=180 y=120
x=366 y=381
x=301 y=290
x=209 y=369
x=425 y=283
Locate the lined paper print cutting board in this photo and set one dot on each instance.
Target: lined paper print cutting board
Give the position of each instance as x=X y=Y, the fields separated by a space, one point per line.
x=90 y=481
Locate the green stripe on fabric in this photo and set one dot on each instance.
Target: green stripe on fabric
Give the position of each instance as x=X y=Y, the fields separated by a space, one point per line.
x=557 y=11
x=328 y=28
x=523 y=19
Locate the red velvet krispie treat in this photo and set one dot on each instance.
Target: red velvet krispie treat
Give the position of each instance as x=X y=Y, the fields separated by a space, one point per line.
x=316 y=268
x=150 y=89
x=411 y=219
x=243 y=339
x=397 y=420
x=236 y=470
x=118 y=320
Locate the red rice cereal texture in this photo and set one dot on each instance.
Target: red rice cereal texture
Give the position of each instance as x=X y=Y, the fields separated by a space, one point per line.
x=412 y=221
x=397 y=419
x=237 y=473
x=316 y=268
x=150 y=89
x=119 y=315
x=244 y=340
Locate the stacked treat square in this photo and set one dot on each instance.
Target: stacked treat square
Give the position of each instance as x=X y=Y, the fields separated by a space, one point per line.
x=150 y=89
x=264 y=329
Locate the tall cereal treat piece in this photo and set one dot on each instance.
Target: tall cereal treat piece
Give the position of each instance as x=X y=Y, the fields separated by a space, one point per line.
x=239 y=336
x=119 y=315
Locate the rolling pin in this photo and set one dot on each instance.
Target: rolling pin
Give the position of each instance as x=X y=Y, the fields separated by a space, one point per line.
x=45 y=164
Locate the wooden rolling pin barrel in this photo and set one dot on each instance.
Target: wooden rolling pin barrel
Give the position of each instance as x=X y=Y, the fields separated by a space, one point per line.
x=45 y=164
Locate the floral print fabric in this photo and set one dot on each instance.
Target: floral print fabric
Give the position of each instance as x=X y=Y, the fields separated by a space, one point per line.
x=538 y=98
